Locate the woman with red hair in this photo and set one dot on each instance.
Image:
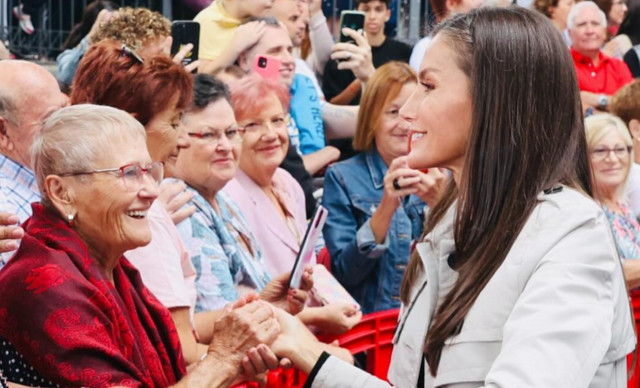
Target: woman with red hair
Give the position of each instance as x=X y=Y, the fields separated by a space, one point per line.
x=156 y=92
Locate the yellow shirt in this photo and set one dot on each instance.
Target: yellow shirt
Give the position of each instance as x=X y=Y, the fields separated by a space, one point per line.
x=217 y=28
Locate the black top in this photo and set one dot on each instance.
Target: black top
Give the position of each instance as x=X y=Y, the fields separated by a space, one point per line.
x=293 y=164
x=632 y=61
x=334 y=81
x=13 y=368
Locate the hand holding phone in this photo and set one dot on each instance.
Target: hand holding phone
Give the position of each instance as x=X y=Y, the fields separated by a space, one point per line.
x=185 y=32
x=267 y=66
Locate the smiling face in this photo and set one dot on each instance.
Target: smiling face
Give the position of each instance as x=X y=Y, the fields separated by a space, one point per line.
x=110 y=217
x=610 y=169
x=392 y=134
x=166 y=137
x=264 y=149
x=588 y=32
x=208 y=164
x=439 y=111
x=274 y=42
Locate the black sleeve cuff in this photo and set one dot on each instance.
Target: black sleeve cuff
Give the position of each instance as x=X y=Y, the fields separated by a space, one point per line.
x=316 y=368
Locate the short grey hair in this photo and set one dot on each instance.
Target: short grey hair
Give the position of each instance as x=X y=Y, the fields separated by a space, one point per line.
x=74 y=138
x=575 y=10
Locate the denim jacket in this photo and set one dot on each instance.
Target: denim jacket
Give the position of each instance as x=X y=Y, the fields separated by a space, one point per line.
x=371 y=272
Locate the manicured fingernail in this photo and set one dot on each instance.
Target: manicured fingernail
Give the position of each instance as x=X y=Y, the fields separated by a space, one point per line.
x=18 y=233
x=13 y=219
x=12 y=245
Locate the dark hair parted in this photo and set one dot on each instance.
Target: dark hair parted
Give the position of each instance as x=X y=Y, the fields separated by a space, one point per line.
x=631 y=24
x=387 y=3
x=108 y=75
x=89 y=16
x=527 y=136
x=208 y=89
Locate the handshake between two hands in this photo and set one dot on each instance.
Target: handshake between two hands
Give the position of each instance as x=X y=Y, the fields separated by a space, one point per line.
x=261 y=332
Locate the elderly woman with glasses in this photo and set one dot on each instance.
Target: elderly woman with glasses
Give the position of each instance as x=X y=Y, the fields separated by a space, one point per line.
x=111 y=74
x=225 y=248
x=611 y=149
x=90 y=320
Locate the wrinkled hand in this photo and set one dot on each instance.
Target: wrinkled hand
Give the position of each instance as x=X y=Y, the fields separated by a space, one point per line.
x=9 y=232
x=339 y=317
x=278 y=293
x=174 y=197
x=247 y=35
x=244 y=325
x=355 y=57
x=431 y=185
x=103 y=16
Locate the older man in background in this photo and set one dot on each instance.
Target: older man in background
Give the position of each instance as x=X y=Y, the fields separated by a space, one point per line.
x=28 y=95
x=599 y=76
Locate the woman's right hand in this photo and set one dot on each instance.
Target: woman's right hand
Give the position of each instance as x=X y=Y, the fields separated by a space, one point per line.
x=407 y=179
x=244 y=325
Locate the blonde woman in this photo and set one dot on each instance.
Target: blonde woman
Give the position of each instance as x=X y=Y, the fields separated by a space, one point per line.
x=610 y=150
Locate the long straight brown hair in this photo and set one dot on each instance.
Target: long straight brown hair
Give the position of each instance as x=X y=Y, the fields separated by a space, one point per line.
x=527 y=136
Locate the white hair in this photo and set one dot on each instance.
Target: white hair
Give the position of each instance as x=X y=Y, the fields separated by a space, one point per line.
x=575 y=11
x=74 y=138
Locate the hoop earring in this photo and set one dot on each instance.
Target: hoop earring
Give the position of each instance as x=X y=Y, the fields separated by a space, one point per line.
x=70 y=218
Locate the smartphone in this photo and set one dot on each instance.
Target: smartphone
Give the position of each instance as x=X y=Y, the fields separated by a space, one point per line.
x=305 y=254
x=267 y=66
x=353 y=20
x=184 y=32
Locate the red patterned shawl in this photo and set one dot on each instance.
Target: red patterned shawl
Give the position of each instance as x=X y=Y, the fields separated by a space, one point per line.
x=59 y=311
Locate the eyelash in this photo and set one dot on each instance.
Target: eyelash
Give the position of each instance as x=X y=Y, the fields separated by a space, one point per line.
x=427 y=85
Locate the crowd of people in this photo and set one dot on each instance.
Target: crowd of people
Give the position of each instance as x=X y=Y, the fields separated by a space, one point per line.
x=485 y=182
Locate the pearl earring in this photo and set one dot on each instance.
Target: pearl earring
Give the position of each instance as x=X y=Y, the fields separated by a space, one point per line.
x=70 y=218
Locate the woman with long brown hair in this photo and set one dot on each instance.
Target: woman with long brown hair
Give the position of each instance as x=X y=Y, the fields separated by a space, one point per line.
x=517 y=282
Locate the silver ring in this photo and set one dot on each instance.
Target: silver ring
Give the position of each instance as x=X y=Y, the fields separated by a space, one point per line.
x=396 y=185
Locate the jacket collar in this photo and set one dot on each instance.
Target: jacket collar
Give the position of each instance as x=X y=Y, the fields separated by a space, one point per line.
x=376 y=166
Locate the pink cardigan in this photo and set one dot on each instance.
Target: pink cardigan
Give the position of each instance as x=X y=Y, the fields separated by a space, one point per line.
x=279 y=246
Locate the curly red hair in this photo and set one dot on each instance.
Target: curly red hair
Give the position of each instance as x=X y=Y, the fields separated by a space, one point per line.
x=109 y=76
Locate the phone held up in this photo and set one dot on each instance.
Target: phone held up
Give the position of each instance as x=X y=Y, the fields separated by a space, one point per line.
x=267 y=66
x=184 y=32
x=353 y=20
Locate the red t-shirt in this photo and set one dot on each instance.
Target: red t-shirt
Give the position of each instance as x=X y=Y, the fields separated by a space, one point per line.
x=610 y=75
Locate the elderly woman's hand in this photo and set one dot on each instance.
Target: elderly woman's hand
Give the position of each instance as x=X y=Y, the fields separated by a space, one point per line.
x=174 y=197
x=278 y=293
x=9 y=232
x=244 y=325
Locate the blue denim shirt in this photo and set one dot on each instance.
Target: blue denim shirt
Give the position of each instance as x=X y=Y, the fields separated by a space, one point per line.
x=371 y=272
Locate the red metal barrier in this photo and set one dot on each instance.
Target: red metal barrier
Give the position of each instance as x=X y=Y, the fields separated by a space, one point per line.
x=374 y=335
